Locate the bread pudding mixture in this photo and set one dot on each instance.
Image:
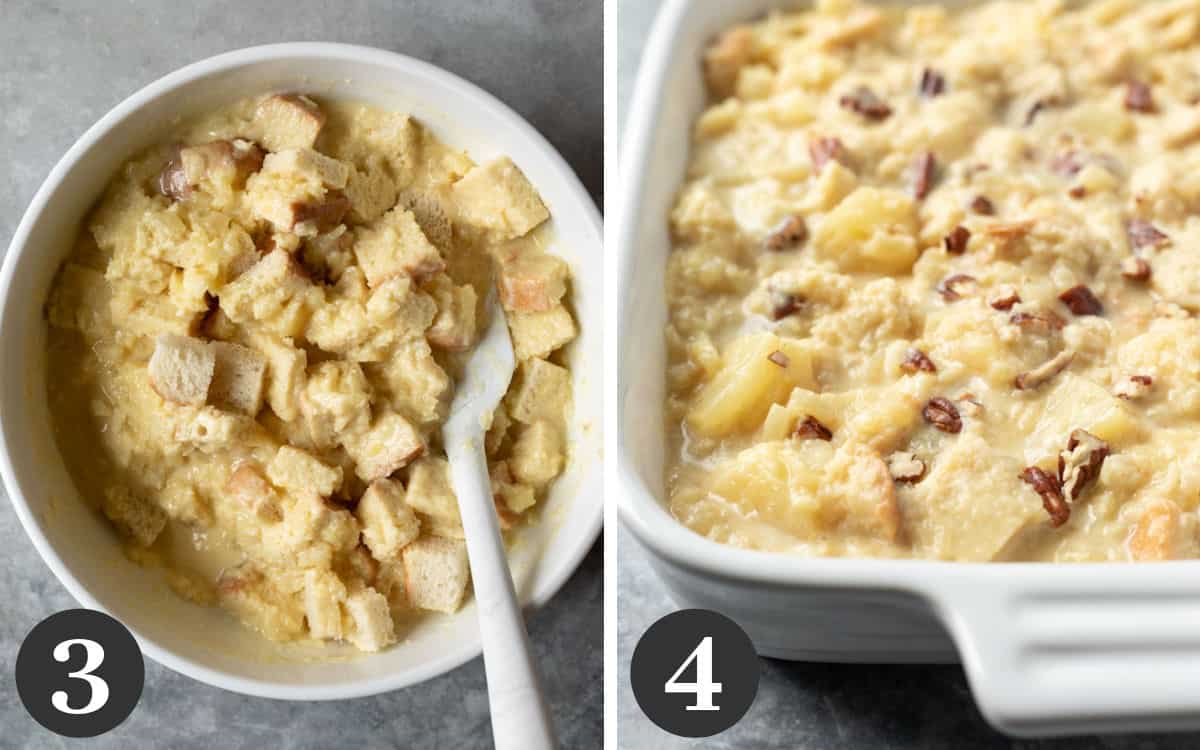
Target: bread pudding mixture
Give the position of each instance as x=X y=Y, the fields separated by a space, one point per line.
x=254 y=343
x=935 y=284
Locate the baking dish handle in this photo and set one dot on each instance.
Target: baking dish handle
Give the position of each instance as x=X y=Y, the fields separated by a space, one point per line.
x=1097 y=650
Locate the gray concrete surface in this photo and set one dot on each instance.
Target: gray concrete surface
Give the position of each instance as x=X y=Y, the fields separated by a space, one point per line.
x=811 y=706
x=62 y=65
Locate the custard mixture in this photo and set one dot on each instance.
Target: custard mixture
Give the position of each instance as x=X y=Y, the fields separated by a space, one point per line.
x=935 y=282
x=253 y=345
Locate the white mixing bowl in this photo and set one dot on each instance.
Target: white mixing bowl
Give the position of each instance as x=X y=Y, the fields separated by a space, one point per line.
x=81 y=547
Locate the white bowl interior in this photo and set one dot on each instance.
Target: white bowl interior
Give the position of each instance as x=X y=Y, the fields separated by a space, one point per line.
x=81 y=546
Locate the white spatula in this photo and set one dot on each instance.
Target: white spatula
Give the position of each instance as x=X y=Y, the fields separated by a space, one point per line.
x=520 y=718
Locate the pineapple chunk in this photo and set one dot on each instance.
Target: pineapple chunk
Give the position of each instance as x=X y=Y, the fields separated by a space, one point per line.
x=1077 y=402
x=870 y=230
x=750 y=380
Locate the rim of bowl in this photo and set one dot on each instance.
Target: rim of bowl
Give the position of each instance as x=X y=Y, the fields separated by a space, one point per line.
x=493 y=108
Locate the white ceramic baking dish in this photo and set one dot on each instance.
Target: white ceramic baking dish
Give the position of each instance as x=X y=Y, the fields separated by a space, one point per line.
x=1048 y=649
x=81 y=548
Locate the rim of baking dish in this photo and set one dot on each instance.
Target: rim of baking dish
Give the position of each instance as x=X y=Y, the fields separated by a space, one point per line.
x=491 y=108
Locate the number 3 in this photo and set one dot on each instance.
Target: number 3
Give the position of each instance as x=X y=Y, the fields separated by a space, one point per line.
x=703 y=687
x=95 y=657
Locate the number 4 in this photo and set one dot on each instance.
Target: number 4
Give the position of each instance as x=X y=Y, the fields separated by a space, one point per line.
x=703 y=687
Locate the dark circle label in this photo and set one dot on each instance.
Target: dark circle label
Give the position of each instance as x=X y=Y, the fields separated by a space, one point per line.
x=80 y=673
x=695 y=673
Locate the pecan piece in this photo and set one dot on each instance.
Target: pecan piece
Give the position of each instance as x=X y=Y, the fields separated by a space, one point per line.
x=1144 y=234
x=1066 y=164
x=983 y=205
x=952 y=288
x=824 y=150
x=1135 y=269
x=1005 y=299
x=1138 y=97
x=1043 y=323
x=943 y=414
x=784 y=304
x=924 y=170
x=864 y=101
x=1133 y=387
x=905 y=467
x=956 y=241
x=933 y=84
x=779 y=358
x=1045 y=372
x=811 y=427
x=173 y=181
x=1078 y=192
x=1050 y=489
x=917 y=361
x=787 y=234
x=1081 y=301
x=1079 y=465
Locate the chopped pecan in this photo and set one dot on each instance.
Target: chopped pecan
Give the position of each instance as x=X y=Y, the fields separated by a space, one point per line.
x=954 y=287
x=1133 y=387
x=905 y=467
x=956 y=241
x=1079 y=465
x=924 y=169
x=1078 y=192
x=1081 y=301
x=942 y=414
x=1043 y=323
x=864 y=101
x=173 y=181
x=983 y=205
x=1005 y=299
x=917 y=361
x=1135 y=269
x=1138 y=97
x=933 y=84
x=784 y=304
x=1045 y=372
x=1049 y=488
x=811 y=427
x=824 y=150
x=787 y=234
x=779 y=358
x=1066 y=164
x=1144 y=234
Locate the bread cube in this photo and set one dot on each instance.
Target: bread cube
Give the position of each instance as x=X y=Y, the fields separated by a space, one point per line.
x=298 y=470
x=275 y=292
x=859 y=494
x=79 y=300
x=371 y=191
x=532 y=281
x=323 y=594
x=431 y=495
x=430 y=209
x=752 y=377
x=247 y=593
x=250 y=488
x=284 y=121
x=309 y=166
x=412 y=382
x=371 y=618
x=389 y=444
x=454 y=327
x=181 y=369
x=871 y=230
x=436 y=574
x=335 y=396
x=238 y=378
x=285 y=374
x=136 y=518
x=181 y=501
x=539 y=334
x=217 y=167
x=327 y=256
x=538 y=454
x=394 y=245
x=511 y=497
x=724 y=59
x=388 y=523
x=542 y=391
x=1160 y=533
x=209 y=429
x=395 y=313
x=311 y=532
x=300 y=191
x=498 y=198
